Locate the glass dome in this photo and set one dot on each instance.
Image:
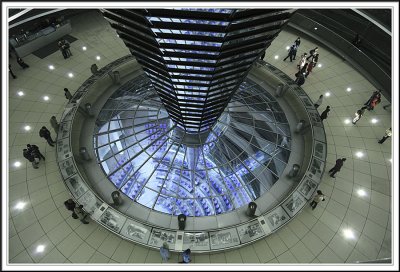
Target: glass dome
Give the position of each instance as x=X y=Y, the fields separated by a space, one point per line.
x=241 y=159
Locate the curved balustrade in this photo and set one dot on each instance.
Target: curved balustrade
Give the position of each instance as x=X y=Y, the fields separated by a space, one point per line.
x=213 y=239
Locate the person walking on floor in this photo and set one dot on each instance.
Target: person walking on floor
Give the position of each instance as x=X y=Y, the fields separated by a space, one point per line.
x=302 y=61
x=70 y=205
x=319 y=101
x=22 y=63
x=11 y=72
x=164 y=252
x=337 y=167
x=27 y=155
x=375 y=94
x=292 y=52
x=263 y=55
x=310 y=66
x=66 y=47
x=300 y=79
x=67 y=94
x=313 y=52
x=359 y=113
x=375 y=101
x=297 y=42
x=388 y=133
x=62 y=49
x=82 y=215
x=34 y=149
x=186 y=256
x=314 y=60
x=324 y=114
x=54 y=124
x=317 y=198
x=45 y=133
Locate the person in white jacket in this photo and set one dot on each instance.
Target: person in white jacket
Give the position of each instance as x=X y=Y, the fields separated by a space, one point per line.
x=302 y=61
x=388 y=133
x=319 y=101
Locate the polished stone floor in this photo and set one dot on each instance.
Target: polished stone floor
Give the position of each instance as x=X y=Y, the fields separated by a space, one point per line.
x=358 y=200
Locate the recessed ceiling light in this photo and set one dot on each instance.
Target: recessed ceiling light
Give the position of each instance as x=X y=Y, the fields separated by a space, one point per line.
x=359 y=154
x=390 y=160
x=27 y=128
x=327 y=94
x=40 y=248
x=84 y=48
x=276 y=57
x=17 y=164
x=51 y=67
x=319 y=65
x=348 y=234
x=46 y=98
x=315 y=28
x=374 y=120
x=348 y=89
x=20 y=93
x=361 y=192
x=347 y=121
x=287 y=47
x=20 y=205
x=70 y=74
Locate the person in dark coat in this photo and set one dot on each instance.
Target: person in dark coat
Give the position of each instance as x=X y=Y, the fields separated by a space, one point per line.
x=300 y=79
x=324 y=114
x=310 y=66
x=186 y=256
x=22 y=63
x=45 y=133
x=313 y=52
x=376 y=94
x=315 y=60
x=70 y=205
x=67 y=94
x=27 y=155
x=292 y=52
x=337 y=167
x=62 y=49
x=262 y=55
x=297 y=42
x=34 y=150
x=80 y=212
x=11 y=72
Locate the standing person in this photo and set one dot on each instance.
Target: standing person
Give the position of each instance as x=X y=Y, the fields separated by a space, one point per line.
x=67 y=94
x=297 y=42
x=388 y=133
x=315 y=60
x=313 y=52
x=27 y=155
x=70 y=205
x=66 y=46
x=304 y=69
x=337 y=167
x=11 y=72
x=300 y=79
x=359 y=113
x=317 y=198
x=45 y=133
x=164 y=252
x=375 y=101
x=34 y=149
x=61 y=47
x=22 y=63
x=302 y=61
x=319 y=101
x=81 y=214
x=186 y=256
x=292 y=52
x=54 y=124
x=310 y=66
x=324 y=114
x=262 y=55
x=376 y=94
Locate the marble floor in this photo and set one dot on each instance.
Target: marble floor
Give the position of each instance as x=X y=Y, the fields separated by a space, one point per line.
x=353 y=224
